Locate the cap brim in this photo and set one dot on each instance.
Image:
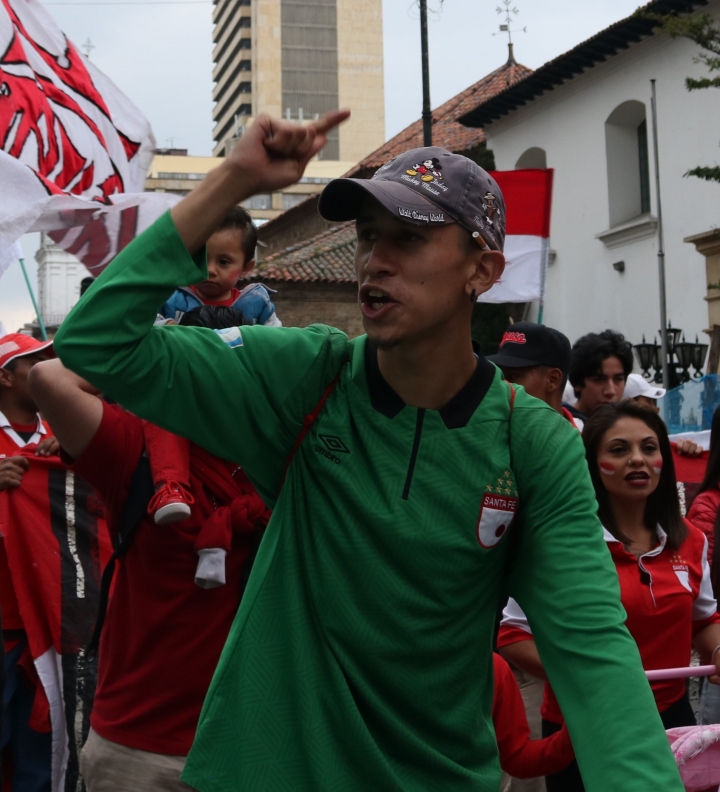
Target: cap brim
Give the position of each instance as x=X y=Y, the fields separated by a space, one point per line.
x=342 y=200
x=510 y=361
x=653 y=393
x=39 y=348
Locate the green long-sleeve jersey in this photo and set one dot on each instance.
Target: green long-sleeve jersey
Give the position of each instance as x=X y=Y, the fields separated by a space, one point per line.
x=360 y=658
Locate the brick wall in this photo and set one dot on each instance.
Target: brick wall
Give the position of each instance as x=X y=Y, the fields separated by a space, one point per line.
x=303 y=304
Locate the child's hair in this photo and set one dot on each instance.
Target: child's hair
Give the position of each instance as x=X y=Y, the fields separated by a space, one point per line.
x=663 y=505
x=215 y=317
x=239 y=220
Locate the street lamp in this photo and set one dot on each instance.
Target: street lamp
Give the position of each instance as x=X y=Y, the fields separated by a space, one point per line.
x=425 y=60
x=647 y=356
x=682 y=356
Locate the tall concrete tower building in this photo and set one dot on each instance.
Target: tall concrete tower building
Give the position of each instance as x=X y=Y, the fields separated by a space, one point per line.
x=297 y=59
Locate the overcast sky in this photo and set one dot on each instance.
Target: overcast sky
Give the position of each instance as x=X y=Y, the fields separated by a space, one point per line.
x=159 y=54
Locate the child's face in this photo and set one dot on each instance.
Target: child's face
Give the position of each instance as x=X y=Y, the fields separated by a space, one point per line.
x=226 y=263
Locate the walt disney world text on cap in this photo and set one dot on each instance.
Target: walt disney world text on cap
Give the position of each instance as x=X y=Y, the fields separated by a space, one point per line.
x=426 y=186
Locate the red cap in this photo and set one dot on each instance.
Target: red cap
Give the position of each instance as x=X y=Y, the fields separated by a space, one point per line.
x=15 y=345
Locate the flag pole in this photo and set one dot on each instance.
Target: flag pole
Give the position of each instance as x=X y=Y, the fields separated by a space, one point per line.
x=43 y=331
x=661 y=246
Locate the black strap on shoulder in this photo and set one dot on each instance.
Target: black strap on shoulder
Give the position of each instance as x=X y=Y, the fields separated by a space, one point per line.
x=140 y=492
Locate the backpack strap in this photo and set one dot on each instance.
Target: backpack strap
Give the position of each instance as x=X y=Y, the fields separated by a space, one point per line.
x=513 y=392
x=308 y=421
x=140 y=492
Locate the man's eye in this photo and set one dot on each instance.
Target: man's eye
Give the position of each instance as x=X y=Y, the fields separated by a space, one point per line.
x=367 y=235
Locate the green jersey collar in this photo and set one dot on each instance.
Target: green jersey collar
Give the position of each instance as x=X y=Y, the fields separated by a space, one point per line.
x=455 y=414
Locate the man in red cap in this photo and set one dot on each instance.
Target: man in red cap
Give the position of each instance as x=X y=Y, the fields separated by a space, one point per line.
x=20 y=426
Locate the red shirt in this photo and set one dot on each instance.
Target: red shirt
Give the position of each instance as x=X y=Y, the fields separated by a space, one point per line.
x=668 y=597
x=163 y=634
x=228 y=302
x=10 y=445
x=703 y=514
x=520 y=756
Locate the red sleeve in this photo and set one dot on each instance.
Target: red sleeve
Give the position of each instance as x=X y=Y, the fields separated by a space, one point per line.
x=109 y=462
x=508 y=635
x=702 y=515
x=520 y=756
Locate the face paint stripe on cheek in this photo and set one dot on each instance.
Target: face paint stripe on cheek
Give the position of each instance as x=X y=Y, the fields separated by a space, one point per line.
x=607 y=469
x=657 y=467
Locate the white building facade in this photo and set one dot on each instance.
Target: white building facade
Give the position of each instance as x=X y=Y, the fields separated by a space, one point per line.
x=59 y=277
x=595 y=131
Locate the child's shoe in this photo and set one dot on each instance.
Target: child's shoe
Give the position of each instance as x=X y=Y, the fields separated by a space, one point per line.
x=171 y=503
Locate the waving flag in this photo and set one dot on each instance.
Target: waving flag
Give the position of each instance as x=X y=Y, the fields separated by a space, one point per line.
x=57 y=544
x=528 y=196
x=74 y=150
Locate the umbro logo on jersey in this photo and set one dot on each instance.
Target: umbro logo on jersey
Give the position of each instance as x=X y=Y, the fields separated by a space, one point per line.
x=334 y=444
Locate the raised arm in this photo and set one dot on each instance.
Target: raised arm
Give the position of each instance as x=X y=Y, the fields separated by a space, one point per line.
x=241 y=395
x=68 y=403
x=564 y=579
x=271 y=155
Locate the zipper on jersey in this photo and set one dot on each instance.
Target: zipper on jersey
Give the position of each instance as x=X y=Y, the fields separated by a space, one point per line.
x=413 y=455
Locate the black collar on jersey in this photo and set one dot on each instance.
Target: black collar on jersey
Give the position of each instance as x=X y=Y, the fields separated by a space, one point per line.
x=455 y=414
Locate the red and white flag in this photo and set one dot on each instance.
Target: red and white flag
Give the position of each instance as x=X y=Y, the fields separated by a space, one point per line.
x=528 y=197
x=74 y=151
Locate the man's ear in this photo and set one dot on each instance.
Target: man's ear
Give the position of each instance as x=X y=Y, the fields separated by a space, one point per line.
x=249 y=265
x=6 y=378
x=554 y=380
x=489 y=266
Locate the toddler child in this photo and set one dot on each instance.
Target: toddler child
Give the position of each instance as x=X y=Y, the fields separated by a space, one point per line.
x=230 y=256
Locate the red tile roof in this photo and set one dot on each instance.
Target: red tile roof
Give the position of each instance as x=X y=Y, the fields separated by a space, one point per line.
x=447 y=132
x=328 y=257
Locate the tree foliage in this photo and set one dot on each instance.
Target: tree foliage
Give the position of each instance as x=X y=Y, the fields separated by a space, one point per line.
x=705 y=32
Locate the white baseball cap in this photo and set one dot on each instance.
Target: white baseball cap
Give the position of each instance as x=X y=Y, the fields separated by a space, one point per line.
x=637 y=385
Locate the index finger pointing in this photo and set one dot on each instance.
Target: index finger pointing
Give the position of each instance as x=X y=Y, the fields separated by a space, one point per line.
x=330 y=120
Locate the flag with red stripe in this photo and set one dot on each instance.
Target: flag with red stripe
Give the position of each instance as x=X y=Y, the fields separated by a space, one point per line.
x=57 y=544
x=528 y=199
x=74 y=151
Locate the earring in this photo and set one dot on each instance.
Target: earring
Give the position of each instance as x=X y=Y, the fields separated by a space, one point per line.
x=473 y=295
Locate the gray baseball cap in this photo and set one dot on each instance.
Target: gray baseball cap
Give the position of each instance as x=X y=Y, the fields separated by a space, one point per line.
x=426 y=186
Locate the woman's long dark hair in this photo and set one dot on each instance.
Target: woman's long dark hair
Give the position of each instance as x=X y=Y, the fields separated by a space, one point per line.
x=663 y=506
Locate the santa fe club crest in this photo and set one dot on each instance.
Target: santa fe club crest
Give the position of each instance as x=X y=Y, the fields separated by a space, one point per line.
x=497 y=510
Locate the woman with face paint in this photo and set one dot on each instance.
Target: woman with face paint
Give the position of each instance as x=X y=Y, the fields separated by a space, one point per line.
x=660 y=558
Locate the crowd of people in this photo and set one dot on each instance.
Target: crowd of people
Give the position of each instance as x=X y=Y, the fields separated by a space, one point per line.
x=391 y=494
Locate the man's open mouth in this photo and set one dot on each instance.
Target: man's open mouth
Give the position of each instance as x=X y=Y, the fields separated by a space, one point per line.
x=376 y=299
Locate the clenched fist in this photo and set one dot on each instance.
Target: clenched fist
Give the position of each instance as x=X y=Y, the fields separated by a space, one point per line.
x=11 y=471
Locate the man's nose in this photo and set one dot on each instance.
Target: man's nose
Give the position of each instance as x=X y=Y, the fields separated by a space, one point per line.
x=379 y=261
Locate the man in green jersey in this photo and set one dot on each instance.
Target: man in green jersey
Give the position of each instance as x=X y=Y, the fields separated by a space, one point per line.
x=411 y=488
